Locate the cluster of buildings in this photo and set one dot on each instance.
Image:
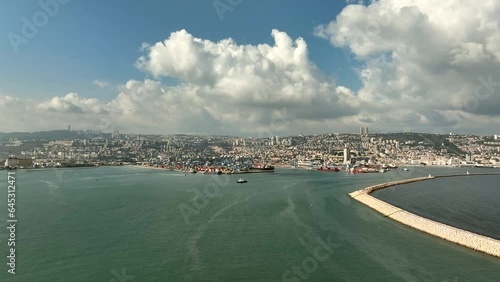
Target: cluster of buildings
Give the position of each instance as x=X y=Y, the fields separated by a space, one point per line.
x=18 y=162
x=307 y=151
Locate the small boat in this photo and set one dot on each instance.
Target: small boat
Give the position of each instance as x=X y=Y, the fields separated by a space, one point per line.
x=405 y=169
x=241 y=180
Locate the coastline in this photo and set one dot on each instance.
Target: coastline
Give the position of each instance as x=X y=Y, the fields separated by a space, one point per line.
x=189 y=172
x=151 y=167
x=458 y=236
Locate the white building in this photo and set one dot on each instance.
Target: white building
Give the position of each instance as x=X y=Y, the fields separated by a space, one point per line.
x=15 y=162
x=469 y=158
x=453 y=162
x=347 y=154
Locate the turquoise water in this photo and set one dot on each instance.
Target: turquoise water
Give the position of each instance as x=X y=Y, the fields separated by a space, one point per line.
x=98 y=224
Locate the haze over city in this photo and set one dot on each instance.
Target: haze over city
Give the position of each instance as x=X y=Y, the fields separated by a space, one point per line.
x=243 y=67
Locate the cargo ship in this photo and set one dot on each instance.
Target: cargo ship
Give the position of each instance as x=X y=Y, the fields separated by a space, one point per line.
x=212 y=171
x=483 y=166
x=262 y=168
x=329 y=169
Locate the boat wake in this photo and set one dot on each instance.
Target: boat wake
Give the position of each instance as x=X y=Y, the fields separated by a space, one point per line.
x=192 y=244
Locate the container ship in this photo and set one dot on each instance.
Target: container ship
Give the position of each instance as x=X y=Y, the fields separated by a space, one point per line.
x=483 y=166
x=329 y=169
x=262 y=168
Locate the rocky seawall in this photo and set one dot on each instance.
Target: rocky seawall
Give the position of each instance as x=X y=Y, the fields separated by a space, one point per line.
x=461 y=237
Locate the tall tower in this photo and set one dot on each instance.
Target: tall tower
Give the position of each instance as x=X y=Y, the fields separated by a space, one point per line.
x=69 y=127
x=363 y=131
x=347 y=154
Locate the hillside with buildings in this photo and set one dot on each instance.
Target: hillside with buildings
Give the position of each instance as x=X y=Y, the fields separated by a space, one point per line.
x=49 y=148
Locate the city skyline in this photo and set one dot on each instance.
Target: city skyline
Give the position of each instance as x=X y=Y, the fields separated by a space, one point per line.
x=353 y=132
x=210 y=68
x=93 y=147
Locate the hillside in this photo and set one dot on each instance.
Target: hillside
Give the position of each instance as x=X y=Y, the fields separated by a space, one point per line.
x=51 y=135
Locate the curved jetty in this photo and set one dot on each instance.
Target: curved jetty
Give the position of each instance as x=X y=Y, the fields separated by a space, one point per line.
x=465 y=238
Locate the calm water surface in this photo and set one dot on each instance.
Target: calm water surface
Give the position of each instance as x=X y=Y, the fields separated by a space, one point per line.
x=151 y=225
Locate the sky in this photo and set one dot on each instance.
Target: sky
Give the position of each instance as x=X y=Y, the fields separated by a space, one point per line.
x=250 y=68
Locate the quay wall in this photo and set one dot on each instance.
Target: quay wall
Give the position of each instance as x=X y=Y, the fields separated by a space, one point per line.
x=458 y=236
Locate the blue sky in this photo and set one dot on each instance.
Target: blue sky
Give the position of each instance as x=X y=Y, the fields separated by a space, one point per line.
x=88 y=40
x=390 y=65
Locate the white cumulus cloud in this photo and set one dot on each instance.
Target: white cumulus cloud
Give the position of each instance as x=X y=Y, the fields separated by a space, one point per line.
x=241 y=87
x=101 y=83
x=224 y=88
x=423 y=60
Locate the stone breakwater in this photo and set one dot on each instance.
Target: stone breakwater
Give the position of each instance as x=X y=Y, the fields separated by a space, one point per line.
x=465 y=238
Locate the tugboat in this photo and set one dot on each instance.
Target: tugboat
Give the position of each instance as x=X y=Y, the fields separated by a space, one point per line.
x=241 y=180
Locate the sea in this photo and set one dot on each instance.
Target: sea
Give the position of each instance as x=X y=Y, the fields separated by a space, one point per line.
x=138 y=224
